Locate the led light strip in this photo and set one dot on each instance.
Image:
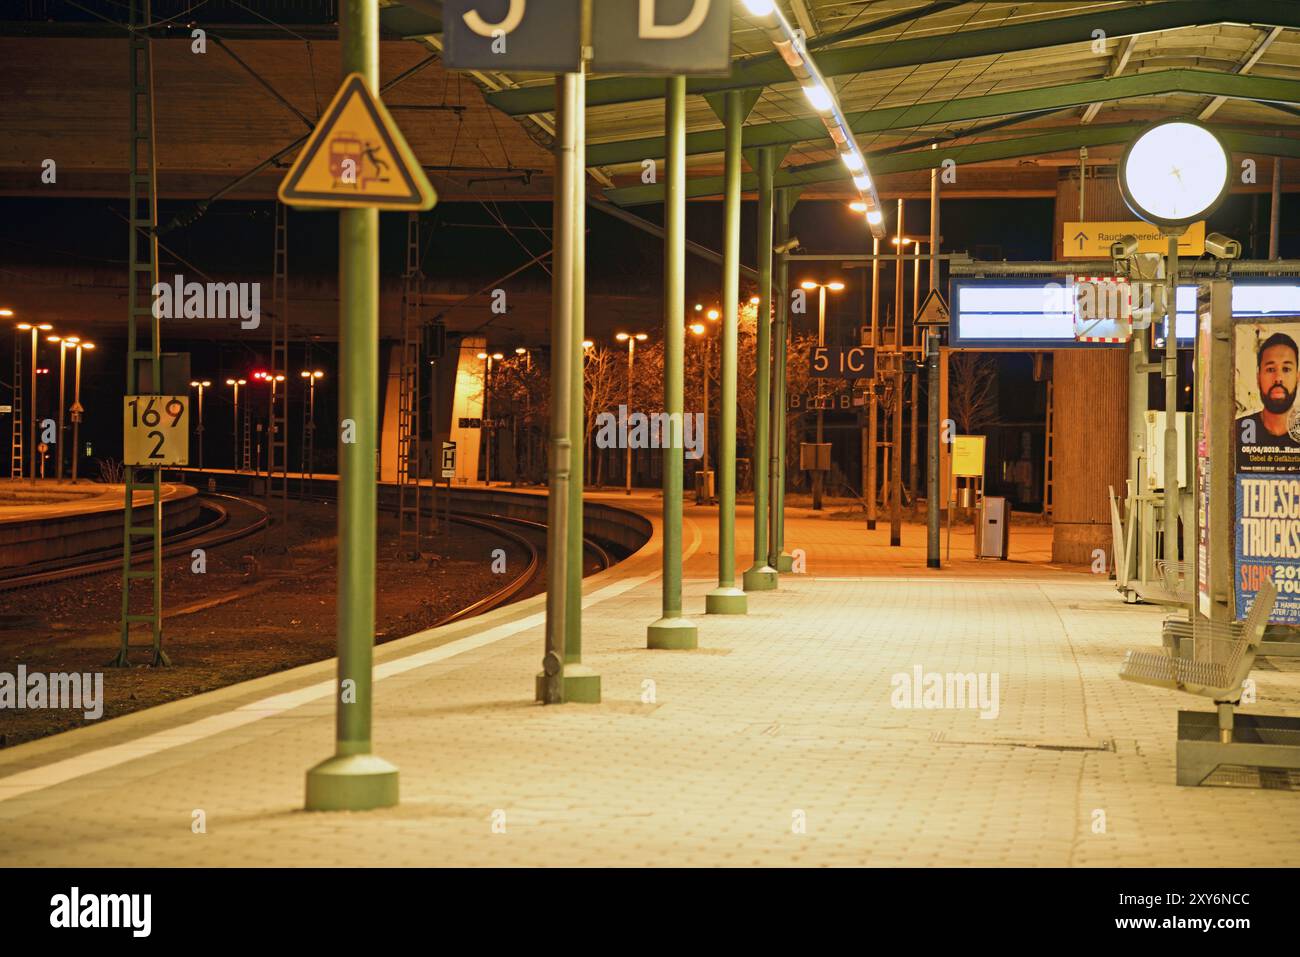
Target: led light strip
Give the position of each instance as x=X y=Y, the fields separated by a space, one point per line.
x=768 y=15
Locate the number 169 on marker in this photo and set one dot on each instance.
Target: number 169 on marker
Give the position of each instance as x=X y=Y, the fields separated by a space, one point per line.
x=156 y=430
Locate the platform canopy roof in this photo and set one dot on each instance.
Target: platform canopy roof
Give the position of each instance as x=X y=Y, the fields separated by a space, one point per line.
x=1009 y=90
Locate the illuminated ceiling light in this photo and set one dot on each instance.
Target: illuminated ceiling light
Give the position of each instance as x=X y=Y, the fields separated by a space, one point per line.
x=862 y=182
x=858 y=206
x=760 y=8
x=819 y=97
x=875 y=217
x=853 y=160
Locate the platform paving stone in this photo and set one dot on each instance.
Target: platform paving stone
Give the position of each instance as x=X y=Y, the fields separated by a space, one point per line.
x=774 y=744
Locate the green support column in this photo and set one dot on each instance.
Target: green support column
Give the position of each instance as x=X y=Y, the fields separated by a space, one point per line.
x=672 y=630
x=355 y=779
x=762 y=576
x=727 y=599
x=581 y=684
x=551 y=683
x=776 y=556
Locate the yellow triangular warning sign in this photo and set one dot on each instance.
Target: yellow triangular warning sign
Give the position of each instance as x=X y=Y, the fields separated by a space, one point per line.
x=357 y=158
x=934 y=311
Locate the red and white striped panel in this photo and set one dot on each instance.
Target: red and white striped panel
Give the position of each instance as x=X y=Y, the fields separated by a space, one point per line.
x=1103 y=309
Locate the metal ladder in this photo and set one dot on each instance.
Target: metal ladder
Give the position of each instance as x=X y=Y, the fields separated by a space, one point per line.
x=246 y=464
x=307 y=468
x=277 y=465
x=19 y=436
x=408 y=405
x=143 y=274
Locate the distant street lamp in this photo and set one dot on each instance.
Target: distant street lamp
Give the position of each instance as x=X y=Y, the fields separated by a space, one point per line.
x=234 y=453
x=310 y=451
x=65 y=342
x=36 y=330
x=205 y=384
x=631 y=339
x=485 y=427
x=819 y=478
x=77 y=410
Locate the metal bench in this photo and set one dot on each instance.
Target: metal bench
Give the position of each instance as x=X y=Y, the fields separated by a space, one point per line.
x=1218 y=662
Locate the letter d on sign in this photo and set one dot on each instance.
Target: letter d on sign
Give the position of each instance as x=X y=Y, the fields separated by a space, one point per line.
x=650 y=30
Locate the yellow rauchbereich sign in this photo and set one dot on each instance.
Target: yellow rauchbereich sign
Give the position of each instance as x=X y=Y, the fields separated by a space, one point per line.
x=357 y=158
x=1092 y=240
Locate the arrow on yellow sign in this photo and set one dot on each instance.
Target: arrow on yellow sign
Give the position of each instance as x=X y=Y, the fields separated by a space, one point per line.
x=357 y=158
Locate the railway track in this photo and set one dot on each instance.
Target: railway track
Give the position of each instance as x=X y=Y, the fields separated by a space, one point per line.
x=208 y=534
x=213 y=532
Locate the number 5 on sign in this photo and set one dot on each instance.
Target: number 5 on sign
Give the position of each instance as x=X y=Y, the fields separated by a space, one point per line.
x=155 y=430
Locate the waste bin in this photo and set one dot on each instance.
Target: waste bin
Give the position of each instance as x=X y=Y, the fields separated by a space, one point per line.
x=704 y=487
x=992 y=528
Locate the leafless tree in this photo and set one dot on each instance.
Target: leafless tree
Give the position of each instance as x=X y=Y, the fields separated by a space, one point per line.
x=973 y=396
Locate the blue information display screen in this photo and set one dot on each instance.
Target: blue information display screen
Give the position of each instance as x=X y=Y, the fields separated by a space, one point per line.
x=1038 y=314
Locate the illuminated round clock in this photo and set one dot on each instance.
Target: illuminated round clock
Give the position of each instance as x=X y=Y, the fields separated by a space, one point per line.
x=1174 y=173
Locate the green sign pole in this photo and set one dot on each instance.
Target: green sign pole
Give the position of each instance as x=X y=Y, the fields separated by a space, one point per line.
x=762 y=576
x=355 y=779
x=672 y=630
x=727 y=599
x=1170 y=373
x=776 y=557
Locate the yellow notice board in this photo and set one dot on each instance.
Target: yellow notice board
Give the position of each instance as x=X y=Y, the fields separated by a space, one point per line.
x=155 y=430
x=968 y=456
x=357 y=158
x=1092 y=240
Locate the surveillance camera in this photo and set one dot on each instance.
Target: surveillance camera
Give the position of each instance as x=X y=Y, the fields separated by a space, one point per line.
x=1221 y=247
x=1124 y=248
x=790 y=245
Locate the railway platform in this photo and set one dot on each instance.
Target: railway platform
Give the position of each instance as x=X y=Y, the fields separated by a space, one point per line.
x=49 y=520
x=800 y=733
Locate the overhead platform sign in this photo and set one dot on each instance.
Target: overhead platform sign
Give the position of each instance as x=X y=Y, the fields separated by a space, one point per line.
x=655 y=37
x=357 y=158
x=1093 y=240
x=1035 y=315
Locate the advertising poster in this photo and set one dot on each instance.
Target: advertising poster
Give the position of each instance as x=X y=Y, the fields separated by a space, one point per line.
x=1204 y=341
x=1268 y=542
x=1267 y=419
x=1267 y=441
